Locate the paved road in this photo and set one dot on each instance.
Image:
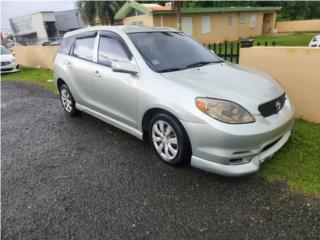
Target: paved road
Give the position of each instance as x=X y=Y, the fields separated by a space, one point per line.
x=79 y=178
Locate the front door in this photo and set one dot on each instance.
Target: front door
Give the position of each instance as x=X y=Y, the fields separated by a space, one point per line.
x=115 y=93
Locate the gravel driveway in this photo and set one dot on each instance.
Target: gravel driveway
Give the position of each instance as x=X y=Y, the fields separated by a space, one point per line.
x=80 y=178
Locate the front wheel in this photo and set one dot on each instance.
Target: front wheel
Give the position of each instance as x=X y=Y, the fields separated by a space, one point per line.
x=68 y=103
x=169 y=139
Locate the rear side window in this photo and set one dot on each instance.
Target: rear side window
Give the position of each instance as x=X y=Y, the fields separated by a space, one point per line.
x=66 y=45
x=83 y=48
x=110 y=49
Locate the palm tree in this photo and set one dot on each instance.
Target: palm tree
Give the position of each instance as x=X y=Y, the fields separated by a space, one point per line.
x=88 y=11
x=176 y=7
x=104 y=10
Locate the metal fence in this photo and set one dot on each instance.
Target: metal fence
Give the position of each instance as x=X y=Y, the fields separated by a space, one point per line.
x=230 y=51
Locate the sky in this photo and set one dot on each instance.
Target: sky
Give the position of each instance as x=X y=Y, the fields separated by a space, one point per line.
x=13 y=8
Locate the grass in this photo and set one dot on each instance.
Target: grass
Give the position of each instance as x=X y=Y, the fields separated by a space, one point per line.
x=32 y=75
x=296 y=39
x=298 y=162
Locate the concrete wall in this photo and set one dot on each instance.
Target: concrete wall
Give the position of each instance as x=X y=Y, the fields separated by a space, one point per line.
x=220 y=29
x=146 y=19
x=297 y=70
x=299 y=26
x=68 y=20
x=38 y=26
x=21 y=24
x=35 y=56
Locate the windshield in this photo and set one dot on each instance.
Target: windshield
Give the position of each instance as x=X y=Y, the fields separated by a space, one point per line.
x=171 y=51
x=4 y=50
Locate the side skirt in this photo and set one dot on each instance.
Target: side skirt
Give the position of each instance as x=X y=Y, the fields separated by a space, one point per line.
x=111 y=121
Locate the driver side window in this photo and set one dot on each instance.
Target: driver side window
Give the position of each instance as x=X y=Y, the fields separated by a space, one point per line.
x=110 y=49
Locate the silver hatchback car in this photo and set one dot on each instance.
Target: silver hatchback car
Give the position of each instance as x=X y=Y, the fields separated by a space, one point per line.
x=159 y=84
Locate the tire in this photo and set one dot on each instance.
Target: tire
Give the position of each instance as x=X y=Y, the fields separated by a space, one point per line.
x=169 y=140
x=67 y=100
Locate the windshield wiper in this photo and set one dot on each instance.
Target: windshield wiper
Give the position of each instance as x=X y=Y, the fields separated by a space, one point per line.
x=199 y=64
x=171 y=70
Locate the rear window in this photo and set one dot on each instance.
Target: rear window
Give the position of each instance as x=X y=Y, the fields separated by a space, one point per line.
x=66 y=45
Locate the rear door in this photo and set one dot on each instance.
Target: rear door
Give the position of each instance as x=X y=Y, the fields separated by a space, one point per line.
x=115 y=93
x=80 y=64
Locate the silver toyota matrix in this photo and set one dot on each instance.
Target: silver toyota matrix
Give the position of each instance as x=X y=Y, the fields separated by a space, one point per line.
x=160 y=85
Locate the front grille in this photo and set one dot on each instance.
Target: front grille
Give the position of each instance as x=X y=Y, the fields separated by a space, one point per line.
x=5 y=63
x=273 y=107
x=6 y=69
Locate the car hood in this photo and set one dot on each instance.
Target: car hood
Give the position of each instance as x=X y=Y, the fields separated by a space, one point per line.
x=6 y=57
x=230 y=82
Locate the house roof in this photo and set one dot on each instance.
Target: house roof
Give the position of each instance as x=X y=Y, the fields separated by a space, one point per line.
x=128 y=6
x=154 y=6
x=145 y=9
x=221 y=10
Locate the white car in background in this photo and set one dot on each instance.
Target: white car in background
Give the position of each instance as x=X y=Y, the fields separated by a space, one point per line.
x=8 y=61
x=315 y=41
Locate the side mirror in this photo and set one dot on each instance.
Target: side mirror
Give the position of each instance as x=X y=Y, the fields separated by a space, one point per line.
x=13 y=53
x=124 y=67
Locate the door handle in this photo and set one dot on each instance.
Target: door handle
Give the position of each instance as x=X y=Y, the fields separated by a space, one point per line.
x=96 y=73
x=69 y=65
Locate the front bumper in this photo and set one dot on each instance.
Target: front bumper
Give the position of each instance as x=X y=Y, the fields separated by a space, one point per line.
x=12 y=67
x=235 y=150
x=242 y=169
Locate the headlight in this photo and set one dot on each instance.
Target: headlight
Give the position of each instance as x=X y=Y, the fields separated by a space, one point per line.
x=224 y=111
x=13 y=60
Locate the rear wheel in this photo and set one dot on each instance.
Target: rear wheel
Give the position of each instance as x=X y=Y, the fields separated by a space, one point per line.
x=168 y=139
x=67 y=101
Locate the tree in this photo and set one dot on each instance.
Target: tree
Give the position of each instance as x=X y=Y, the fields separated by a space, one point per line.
x=88 y=11
x=291 y=10
x=176 y=7
x=104 y=10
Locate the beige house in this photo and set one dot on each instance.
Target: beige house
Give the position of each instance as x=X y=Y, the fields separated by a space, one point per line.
x=208 y=25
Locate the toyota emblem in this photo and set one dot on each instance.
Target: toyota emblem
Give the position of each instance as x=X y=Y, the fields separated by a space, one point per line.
x=278 y=106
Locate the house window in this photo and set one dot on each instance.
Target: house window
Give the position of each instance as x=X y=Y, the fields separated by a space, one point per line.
x=187 y=25
x=253 y=21
x=242 y=18
x=138 y=23
x=230 y=20
x=205 y=24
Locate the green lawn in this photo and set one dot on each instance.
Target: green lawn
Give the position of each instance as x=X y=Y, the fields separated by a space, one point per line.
x=296 y=39
x=31 y=75
x=298 y=163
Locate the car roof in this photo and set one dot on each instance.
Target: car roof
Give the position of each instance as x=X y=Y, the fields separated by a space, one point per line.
x=121 y=28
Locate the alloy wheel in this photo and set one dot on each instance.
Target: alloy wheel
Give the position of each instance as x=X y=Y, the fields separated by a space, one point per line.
x=66 y=100
x=165 y=140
